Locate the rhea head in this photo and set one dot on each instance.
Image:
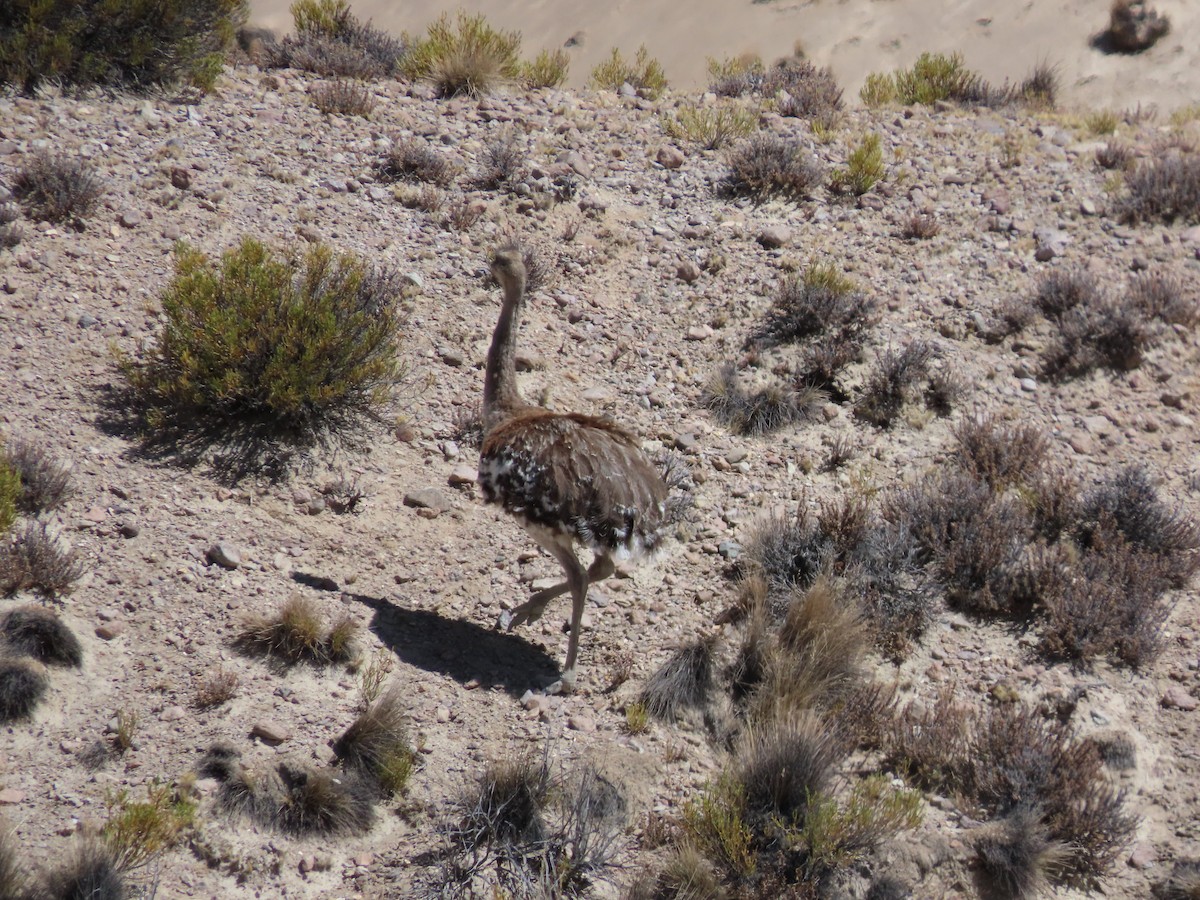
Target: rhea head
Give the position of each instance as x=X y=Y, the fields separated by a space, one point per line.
x=508 y=267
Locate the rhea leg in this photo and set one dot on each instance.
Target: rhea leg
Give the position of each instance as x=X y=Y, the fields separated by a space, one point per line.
x=531 y=610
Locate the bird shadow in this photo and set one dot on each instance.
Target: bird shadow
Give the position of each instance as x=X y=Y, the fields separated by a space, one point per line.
x=464 y=651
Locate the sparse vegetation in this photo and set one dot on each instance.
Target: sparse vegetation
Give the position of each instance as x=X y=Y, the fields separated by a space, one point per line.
x=864 y=168
x=998 y=454
x=759 y=411
x=116 y=45
x=34 y=559
x=376 y=745
x=802 y=90
x=546 y=70
x=464 y=56
x=216 y=689
x=57 y=187
x=765 y=165
x=331 y=42
x=23 y=684
x=11 y=232
x=821 y=301
x=10 y=494
x=139 y=831
x=736 y=76
x=711 y=127
x=645 y=74
x=532 y=833
x=262 y=350
x=39 y=633
x=344 y=98
x=415 y=160
x=1164 y=187
x=637 y=718
x=45 y=481
x=684 y=681
x=893 y=382
x=920 y=226
x=90 y=871
x=297 y=633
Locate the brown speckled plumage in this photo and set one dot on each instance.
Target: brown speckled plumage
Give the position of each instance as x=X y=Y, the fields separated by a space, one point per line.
x=567 y=478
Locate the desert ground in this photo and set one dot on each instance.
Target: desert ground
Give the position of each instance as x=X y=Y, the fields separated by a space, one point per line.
x=633 y=320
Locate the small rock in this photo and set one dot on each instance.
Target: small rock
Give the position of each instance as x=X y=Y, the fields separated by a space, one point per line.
x=130 y=529
x=1177 y=697
x=131 y=218
x=729 y=549
x=669 y=157
x=173 y=714
x=1028 y=384
x=442 y=715
x=774 y=236
x=450 y=356
x=110 y=631
x=686 y=442
x=9 y=796
x=95 y=514
x=1190 y=235
x=270 y=732
x=698 y=333
x=581 y=723
x=1087 y=207
x=428 y=498
x=461 y=475
x=1143 y=857
x=687 y=271
x=225 y=555
x=1051 y=242
x=181 y=178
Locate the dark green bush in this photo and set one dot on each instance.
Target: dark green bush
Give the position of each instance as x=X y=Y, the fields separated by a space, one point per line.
x=128 y=44
x=260 y=345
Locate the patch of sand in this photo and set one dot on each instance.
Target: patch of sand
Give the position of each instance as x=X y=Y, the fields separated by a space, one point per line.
x=855 y=37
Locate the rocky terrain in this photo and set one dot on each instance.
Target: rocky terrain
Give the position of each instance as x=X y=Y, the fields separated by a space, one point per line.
x=632 y=322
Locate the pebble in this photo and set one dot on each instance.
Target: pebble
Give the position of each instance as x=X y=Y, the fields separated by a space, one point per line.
x=1050 y=243
x=775 y=236
x=1177 y=697
x=1143 y=857
x=428 y=498
x=730 y=550
x=581 y=723
x=687 y=271
x=110 y=631
x=270 y=732
x=9 y=796
x=461 y=475
x=173 y=714
x=669 y=157
x=698 y=333
x=225 y=555
x=131 y=218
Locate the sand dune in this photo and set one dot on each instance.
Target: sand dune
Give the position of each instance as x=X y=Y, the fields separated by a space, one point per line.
x=855 y=37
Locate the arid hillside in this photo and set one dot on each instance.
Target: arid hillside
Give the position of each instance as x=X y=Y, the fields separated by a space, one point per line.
x=925 y=373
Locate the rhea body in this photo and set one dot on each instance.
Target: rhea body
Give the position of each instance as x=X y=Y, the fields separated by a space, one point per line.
x=568 y=479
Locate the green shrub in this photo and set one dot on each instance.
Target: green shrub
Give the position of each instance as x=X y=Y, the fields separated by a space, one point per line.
x=330 y=18
x=864 y=168
x=10 y=491
x=133 y=44
x=837 y=833
x=711 y=127
x=263 y=345
x=466 y=57
x=644 y=74
x=137 y=832
x=546 y=70
x=878 y=90
x=716 y=823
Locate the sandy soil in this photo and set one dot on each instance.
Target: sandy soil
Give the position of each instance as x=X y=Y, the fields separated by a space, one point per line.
x=636 y=317
x=854 y=37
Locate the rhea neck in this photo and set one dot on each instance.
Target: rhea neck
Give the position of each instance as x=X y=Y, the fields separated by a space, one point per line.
x=500 y=395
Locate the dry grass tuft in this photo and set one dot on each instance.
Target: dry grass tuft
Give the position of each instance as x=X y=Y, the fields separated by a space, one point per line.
x=761 y=411
x=91 y=871
x=376 y=744
x=684 y=681
x=39 y=633
x=1018 y=856
x=322 y=802
x=784 y=763
x=57 y=188
x=34 y=560
x=216 y=689
x=413 y=159
x=1165 y=187
x=23 y=684
x=297 y=633
x=893 y=382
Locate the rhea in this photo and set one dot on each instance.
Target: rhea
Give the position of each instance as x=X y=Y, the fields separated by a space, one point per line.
x=568 y=479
